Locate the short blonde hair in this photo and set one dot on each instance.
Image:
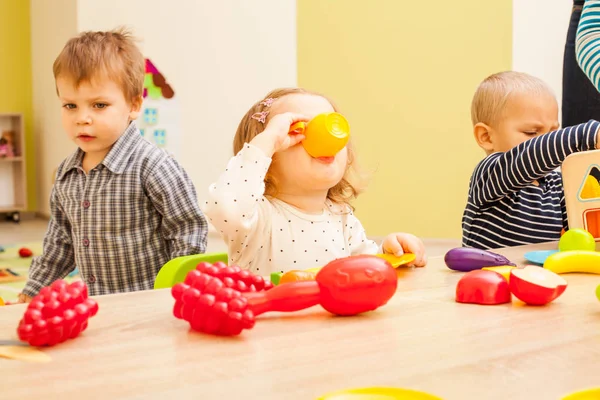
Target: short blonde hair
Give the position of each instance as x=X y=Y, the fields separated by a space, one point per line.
x=353 y=181
x=493 y=93
x=113 y=54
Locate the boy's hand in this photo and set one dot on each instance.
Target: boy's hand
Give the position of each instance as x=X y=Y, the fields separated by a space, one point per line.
x=23 y=298
x=400 y=243
x=276 y=136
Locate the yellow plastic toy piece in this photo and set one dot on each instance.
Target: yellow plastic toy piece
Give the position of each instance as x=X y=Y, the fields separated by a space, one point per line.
x=503 y=270
x=1 y=301
x=379 y=393
x=325 y=135
x=395 y=261
x=574 y=261
x=589 y=394
x=591 y=190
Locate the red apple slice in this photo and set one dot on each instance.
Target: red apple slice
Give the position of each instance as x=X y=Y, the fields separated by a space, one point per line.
x=483 y=287
x=536 y=285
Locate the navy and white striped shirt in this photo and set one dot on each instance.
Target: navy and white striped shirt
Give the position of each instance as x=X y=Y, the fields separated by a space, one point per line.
x=505 y=208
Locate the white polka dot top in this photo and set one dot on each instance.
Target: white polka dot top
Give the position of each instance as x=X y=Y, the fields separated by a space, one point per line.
x=267 y=235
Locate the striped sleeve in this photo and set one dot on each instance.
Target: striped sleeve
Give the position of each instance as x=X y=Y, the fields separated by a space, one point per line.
x=587 y=44
x=502 y=173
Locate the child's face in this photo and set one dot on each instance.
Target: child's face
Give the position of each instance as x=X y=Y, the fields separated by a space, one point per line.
x=524 y=117
x=294 y=170
x=95 y=113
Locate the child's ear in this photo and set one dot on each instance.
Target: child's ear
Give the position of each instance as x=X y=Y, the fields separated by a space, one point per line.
x=482 y=133
x=136 y=107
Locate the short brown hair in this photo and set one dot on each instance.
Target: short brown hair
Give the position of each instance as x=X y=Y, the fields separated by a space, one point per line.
x=492 y=94
x=113 y=54
x=352 y=183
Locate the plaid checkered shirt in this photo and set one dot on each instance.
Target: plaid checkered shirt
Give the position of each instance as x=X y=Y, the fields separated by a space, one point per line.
x=121 y=222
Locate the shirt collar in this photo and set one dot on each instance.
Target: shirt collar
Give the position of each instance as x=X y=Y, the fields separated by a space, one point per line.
x=115 y=160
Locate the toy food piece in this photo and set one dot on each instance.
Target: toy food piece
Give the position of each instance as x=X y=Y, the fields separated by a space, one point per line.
x=275 y=277
x=483 y=287
x=395 y=261
x=589 y=394
x=296 y=275
x=378 y=393
x=468 y=259
x=503 y=270
x=210 y=302
x=539 y=256
x=24 y=252
x=574 y=261
x=536 y=286
x=598 y=292
x=1 y=301
x=325 y=135
x=577 y=239
x=59 y=312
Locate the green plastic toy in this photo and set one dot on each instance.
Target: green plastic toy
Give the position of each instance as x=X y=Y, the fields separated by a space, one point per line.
x=175 y=271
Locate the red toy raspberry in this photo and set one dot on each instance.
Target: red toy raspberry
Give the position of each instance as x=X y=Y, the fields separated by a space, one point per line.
x=59 y=312
x=210 y=298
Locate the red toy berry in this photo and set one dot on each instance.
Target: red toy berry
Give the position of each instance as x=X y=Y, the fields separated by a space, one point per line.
x=211 y=299
x=24 y=252
x=59 y=312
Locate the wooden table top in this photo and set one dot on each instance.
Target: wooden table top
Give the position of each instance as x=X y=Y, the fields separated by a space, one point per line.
x=422 y=340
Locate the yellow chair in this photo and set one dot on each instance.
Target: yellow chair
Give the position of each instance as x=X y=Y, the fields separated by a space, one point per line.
x=176 y=270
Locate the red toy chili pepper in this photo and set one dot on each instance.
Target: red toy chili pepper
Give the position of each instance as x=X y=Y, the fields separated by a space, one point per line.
x=210 y=299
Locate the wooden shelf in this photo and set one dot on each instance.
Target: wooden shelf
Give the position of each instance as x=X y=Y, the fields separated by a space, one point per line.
x=11 y=159
x=13 y=185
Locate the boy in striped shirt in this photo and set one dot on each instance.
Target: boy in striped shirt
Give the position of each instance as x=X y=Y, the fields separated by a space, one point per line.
x=516 y=195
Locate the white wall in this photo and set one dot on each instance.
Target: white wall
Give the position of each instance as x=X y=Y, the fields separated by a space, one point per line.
x=52 y=24
x=539 y=36
x=220 y=57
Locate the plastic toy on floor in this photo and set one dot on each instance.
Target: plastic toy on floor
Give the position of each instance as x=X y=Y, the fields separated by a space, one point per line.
x=588 y=394
x=216 y=299
x=8 y=275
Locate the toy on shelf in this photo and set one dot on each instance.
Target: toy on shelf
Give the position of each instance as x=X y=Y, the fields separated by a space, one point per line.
x=325 y=135
x=59 y=312
x=466 y=259
x=483 y=287
x=581 y=173
x=216 y=299
x=7 y=144
x=295 y=275
x=378 y=393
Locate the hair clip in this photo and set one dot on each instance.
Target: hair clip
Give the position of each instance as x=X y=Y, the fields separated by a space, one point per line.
x=267 y=102
x=260 y=116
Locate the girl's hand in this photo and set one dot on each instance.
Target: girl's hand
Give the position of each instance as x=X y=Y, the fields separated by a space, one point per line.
x=400 y=243
x=276 y=136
